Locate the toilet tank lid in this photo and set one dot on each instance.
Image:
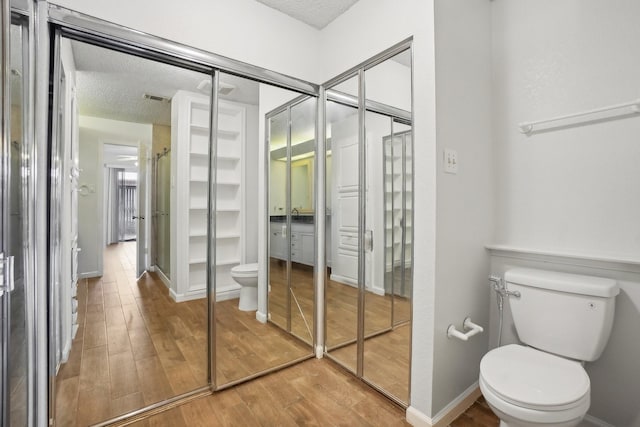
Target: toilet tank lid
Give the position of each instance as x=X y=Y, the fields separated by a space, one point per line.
x=563 y=282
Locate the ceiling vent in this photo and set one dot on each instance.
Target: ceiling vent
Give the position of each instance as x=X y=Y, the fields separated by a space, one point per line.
x=156 y=98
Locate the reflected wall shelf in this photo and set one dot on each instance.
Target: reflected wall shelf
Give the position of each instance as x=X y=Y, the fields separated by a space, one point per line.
x=190 y=143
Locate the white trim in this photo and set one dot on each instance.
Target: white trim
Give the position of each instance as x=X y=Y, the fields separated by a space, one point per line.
x=160 y=273
x=609 y=262
x=596 y=421
x=89 y=275
x=202 y=293
x=261 y=317
x=417 y=418
x=344 y=280
x=449 y=413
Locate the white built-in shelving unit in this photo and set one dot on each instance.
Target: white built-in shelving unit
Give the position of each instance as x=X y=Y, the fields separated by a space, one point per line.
x=190 y=146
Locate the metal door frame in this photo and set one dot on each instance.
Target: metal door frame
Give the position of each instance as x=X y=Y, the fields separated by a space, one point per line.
x=55 y=22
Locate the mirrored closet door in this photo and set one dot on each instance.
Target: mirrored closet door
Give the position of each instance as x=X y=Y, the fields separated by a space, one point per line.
x=291 y=204
x=369 y=198
x=16 y=272
x=264 y=257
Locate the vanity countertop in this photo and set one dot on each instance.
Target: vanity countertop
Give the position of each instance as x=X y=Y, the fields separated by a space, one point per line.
x=302 y=218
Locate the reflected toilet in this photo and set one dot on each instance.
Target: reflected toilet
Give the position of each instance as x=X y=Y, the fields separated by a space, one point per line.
x=246 y=275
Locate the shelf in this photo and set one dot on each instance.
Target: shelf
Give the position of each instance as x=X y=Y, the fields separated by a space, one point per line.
x=192 y=150
x=229 y=158
x=227 y=236
x=222 y=133
x=199 y=128
x=228 y=134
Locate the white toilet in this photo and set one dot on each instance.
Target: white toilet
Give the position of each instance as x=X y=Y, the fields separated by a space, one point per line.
x=246 y=275
x=564 y=319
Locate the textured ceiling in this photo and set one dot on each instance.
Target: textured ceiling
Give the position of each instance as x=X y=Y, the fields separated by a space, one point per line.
x=317 y=13
x=111 y=85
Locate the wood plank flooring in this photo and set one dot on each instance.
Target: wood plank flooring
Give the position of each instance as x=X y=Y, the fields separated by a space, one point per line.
x=135 y=346
x=314 y=392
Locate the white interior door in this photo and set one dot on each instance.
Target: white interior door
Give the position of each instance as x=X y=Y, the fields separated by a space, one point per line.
x=141 y=231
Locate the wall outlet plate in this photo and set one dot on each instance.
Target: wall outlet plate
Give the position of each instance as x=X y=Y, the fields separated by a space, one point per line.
x=450 y=160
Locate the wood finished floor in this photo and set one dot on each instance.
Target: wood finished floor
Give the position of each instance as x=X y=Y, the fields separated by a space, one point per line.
x=135 y=346
x=312 y=393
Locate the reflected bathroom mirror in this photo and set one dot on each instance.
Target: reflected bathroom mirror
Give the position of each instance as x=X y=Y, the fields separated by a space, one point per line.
x=258 y=325
x=291 y=201
x=369 y=281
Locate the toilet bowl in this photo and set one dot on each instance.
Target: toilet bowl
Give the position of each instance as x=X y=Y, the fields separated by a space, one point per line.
x=526 y=387
x=246 y=275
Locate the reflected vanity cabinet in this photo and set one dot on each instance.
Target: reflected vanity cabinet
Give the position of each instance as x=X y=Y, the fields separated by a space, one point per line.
x=189 y=195
x=302 y=242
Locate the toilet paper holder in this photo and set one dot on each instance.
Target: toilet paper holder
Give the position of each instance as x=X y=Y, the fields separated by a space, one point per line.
x=473 y=329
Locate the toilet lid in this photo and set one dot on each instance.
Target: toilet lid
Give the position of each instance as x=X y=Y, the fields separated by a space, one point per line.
x=245 y=268
x=532 y=378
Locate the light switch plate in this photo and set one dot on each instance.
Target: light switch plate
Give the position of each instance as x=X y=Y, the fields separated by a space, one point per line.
x=450 y=160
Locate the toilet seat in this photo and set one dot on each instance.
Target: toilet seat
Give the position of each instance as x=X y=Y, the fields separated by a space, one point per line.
x=533 y=385
x=533 y=379
x=245 y=270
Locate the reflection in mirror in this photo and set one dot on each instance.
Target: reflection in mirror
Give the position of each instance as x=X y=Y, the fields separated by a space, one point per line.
x=246 y=342
x=13 y=242
x=389 y=198
x=341 y=292
x=302 y=152
x=368 y=312
x=127 y=340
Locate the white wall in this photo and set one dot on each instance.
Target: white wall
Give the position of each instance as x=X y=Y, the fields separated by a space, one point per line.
x=574 y=190
x=94 y=132
x=244 y=30
x=568 y=189
x=464 y=201
x=366 y=29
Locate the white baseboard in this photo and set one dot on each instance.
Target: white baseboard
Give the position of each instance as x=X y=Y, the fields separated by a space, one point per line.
x=344 y=280
x=89 y=275
x=261 y=317
x=444 y=417
x=221 y=295
x=417 y=418
x=592 y=421
x=163 y=277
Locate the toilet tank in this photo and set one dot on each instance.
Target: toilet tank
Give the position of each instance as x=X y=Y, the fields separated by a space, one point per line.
x=566 y=314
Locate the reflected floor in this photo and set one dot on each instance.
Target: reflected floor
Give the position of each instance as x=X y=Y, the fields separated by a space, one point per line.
x=386 y=350
x=135 y=346
x=302 y=298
